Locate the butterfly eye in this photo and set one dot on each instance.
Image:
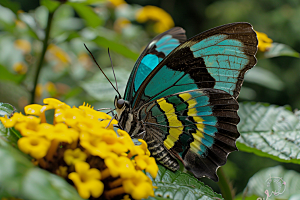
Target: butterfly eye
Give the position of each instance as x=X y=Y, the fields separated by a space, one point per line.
x=120 y=103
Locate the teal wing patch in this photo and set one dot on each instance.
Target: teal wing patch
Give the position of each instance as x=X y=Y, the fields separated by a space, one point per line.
x=152 y=55
x=217 y=58
x=198 y=126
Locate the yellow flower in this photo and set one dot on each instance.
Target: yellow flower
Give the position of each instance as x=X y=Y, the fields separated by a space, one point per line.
x=139 y=149
x=70 y=116
x=86 y=180
x=51 y=88
x=147 y=163
x=28 y=127
x=93 y=114
x=20 y=67
x=39 y=90
x=20 y=24
x=95 y=146
x=10 y=122
x=95 y=127
x=59 y=132
x=139 y=186
x=58 y=54
x=23 y=45
x=121 y=23
x=264 y=43
x=62 y=171
x=33 y=109
x=85 y=60
x=120 y=166
x=35 y=146
x=55 y=103
x=117 y=3
x=163 y=21
x=73 y=156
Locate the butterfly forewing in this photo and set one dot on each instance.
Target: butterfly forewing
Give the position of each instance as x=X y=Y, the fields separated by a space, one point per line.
x=153 y=54
x=217 y=58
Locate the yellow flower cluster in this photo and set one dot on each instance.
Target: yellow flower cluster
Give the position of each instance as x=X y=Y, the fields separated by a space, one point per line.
x=264 y=42
x=163 y=20
x=82 y=146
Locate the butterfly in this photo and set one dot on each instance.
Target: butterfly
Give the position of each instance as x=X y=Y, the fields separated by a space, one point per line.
x=181 y=96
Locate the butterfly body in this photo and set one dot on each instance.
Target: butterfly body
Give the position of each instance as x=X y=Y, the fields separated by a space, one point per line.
x=181 y=96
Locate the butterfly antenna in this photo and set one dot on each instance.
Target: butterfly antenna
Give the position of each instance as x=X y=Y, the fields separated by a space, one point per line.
x=112 y=67
x=101 y=70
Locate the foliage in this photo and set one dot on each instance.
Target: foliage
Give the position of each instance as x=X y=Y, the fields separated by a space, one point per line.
x=42 y=55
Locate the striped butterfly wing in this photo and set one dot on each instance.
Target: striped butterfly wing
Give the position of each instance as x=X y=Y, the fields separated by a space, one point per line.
x=217 y=58
x=153 y=54
x=197 y=127
x=187 y=103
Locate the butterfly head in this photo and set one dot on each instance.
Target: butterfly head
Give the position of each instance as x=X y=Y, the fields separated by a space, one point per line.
x=122 y=107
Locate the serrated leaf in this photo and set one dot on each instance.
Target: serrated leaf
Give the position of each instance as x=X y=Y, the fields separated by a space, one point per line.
x=181 y=186
x=10 y=135
x=20 y=178
x=276 y=182
x=269 y=131
x=116 y=47
x=87 y=13
x=278 y=49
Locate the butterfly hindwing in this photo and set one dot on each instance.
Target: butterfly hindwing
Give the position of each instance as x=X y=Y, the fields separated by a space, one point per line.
x=153 y=54
x=198 y=127
x=217 y=58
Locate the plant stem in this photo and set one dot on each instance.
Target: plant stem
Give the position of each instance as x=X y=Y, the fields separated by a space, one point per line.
x=225 y=185
x=41 y=59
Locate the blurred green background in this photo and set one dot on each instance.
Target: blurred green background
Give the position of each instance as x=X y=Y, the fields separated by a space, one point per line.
x=277 y=80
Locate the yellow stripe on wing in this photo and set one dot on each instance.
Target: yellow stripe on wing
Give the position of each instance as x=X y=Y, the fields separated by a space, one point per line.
x=175 y=125
x=195 y=145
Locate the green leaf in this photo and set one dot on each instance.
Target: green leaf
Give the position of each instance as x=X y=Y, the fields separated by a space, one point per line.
x=50 y=5
x=181 y=186
x=20 y=178
x=264 y=78
x=269 y=131
x=13 y=6
x=116 y=47
x=7 y=75
x=272 y=179
x=278 y=49
x=87 y=13
x=99 y=88
x=10 y=135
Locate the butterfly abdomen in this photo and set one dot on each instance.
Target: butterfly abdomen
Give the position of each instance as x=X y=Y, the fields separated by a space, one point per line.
x=159 y=152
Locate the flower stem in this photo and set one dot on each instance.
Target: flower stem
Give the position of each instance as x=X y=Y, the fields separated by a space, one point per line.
x=114 y=192
x=105 y=173
x=225 y=185
x=42 y=56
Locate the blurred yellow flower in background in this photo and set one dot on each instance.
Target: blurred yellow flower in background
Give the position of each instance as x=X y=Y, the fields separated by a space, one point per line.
x=163 y=20
x=20 y=67
x=264 y=42
x=23 y=45
x=59 y=55
x=117 y=3
x=121 y=23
